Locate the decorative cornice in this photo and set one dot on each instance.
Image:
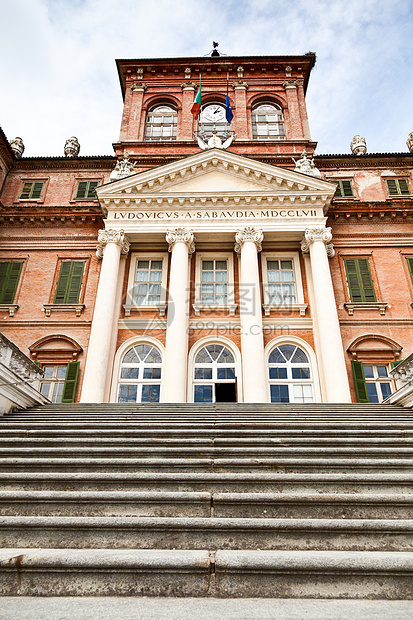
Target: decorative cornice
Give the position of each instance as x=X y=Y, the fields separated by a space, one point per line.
x=248 y=234
x=112 y=236
x=311 y=235
x=180 y=235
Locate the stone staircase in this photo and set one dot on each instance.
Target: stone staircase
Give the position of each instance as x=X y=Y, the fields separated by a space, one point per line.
x=213 y=502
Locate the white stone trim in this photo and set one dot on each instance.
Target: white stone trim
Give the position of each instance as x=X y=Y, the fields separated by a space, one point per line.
x=121 y=352
x=215 y=340
x=130 y=305
x=231 y=305
x=299 y=342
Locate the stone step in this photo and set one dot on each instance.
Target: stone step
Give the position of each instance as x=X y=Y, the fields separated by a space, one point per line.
x=239 y=443
x=211 y=482
x=200 y=533
x=142 y=431
x=287 y=465
x=206 y=452
x=188 y=608
x=205 y=504
x=224 y=573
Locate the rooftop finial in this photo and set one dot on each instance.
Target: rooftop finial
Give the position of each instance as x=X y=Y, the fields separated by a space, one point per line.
x=214 y=51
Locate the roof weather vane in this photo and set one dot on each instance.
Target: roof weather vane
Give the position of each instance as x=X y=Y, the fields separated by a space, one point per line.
x=214 y=51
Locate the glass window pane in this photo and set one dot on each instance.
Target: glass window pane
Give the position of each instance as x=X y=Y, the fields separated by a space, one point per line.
x=226 y=357
x=372 y=393
x=203 y=393
x=279 y=394
x=151 y=373
x=129 y=373
x=45 y=388
x=127 y=393
x=61 y=372
x=368 y=372
x=150 y=393
x=301 y=373
x=208 y=265
x=226 y=373
x=385 y=389
x=381 y=371
x=48 y=371
x=278 y=373
x=203 y=373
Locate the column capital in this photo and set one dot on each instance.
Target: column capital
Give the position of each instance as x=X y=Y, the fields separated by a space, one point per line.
x=311 y=235
x=183 y=235
x=188 y=86
x=248 y=234
x=290 y=85
x=240 y=85
x=138 y=87
x=111 y=236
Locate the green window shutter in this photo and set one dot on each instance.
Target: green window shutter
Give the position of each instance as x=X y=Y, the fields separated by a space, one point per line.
x=69 y=388
x=81 y=189
x=344 y=189
x=37 y=190
x=69 y=282
x=391 y=187
x=410 y=266
x=9 y=279
x=396 y=363
x=75 y=282
x=360 y=282
x=366 y=280
x=27 y=188
x=398 y=187
x=91 y=191
x=359 y=382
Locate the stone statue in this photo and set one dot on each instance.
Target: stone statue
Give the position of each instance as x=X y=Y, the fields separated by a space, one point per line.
x=124 y=168
x=214 y=142
x=72 y=147
x=358 y=145
x=409 y=142
x=17 y=147
x=306 y=166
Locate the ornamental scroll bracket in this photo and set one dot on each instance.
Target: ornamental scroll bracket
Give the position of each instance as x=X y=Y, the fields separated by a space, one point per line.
x=248 y=234
x=180 y=235
x=311 y=235
x=112 y=236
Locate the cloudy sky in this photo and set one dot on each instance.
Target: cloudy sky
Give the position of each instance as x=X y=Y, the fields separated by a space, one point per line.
x=58 y=73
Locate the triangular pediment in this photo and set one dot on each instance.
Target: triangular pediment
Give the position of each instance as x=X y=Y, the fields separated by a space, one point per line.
x=215 y=173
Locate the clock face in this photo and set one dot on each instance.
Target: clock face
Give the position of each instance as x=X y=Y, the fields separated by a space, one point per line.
x=213 y=113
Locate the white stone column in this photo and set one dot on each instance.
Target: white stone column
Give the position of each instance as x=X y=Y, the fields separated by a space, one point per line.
x=181 y=243
x=316 y=241
x=111 y=244
x=254 y=368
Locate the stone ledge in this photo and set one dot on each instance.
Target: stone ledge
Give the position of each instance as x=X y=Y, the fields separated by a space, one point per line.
x=351 y=306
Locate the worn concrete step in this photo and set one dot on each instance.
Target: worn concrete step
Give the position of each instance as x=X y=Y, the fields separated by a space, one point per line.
x=288 y=465
x=205 y=504
x=211 y=482
x=206 y=452
x=188 y=608
x=225 y=573
x=200 y=533
x=361 y=505
x=206 y=441
x=36 y=431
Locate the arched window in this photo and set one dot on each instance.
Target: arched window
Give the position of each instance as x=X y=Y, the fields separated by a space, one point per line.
x=290 y=375
x=214 y=375
x=140 y=375
x=161 y=123
x=267 y=122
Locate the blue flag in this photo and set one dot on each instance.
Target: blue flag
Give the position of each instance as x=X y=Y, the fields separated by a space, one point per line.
x=229 y=115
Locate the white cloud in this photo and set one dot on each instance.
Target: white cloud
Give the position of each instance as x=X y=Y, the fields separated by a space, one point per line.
x=59 y=77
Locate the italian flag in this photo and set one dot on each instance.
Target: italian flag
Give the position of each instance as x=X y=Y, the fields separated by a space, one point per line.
x=196 y=106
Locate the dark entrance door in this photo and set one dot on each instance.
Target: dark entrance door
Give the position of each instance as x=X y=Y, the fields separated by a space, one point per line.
x=225 y=393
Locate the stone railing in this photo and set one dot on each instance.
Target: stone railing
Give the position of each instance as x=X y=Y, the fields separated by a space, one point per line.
x=403 y=373
x=19 y=378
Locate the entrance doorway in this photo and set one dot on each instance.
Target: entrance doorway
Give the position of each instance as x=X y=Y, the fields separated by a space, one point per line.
x=225 y=393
